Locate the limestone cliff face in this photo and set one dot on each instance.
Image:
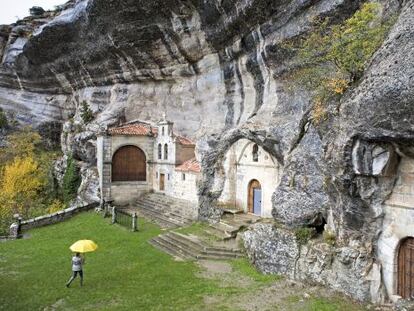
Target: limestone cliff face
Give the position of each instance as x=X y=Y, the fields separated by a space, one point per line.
x=218 y=71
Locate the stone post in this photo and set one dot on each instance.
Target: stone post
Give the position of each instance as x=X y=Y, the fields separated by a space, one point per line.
x=113 y=215
x=134 y=222
x=107 y=208
x=15 y=228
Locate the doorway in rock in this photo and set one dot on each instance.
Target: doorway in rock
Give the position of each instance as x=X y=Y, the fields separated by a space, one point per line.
x=406 y=269
x=162 y=182
x=254 y=200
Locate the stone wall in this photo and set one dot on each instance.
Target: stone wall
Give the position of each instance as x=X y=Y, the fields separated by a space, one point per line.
x=185 y=189
x=184 y=153
x=125 y=192
x=41 y=221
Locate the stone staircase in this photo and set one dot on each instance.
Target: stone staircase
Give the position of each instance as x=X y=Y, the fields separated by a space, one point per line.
x=216 y=241
x=165 y=211
x=192 y=248
x=230 y=224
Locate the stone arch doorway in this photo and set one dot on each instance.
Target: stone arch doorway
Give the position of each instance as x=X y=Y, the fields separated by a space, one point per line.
x=254 y=200
x=405 y=281
x=129 y=163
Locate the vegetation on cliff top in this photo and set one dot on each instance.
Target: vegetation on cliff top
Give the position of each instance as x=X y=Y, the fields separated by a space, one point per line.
x=86 y=112
x=334 y=57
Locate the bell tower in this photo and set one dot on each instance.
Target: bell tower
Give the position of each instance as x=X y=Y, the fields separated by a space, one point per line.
x=165 y=127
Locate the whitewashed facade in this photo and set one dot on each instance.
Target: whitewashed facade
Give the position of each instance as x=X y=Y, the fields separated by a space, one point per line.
x=246 y=162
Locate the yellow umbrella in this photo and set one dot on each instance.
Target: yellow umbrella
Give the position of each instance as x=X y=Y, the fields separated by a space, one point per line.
x=83 y=246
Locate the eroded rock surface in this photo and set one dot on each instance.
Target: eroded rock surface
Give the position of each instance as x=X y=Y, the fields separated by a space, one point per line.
x=219 y=71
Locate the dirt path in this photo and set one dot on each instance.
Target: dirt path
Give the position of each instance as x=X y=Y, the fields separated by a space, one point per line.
x=251 y=294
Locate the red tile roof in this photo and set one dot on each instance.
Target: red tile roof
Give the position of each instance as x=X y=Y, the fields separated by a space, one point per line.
x=184 y=140
x=138 y=129
x=189 y=166
x=144 y=129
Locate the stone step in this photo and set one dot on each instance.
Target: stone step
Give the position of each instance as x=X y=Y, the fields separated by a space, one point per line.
x=232 y=211
x=223 y=227
x=241 y=218
x=163 y=209
x=180 y=248
x=165 y=212
x=210 y=256
x=199 y=247
x=167 y=200
x=166 y=248
x=179 y=206
x=161 y=220
x=222 y=236
x=186 y=248
x=230 y=251
x=185 y=241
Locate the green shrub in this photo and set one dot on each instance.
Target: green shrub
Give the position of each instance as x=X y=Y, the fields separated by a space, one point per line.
x=4 y=123
x=71 y=180
x=86 y=112
x=55 y=206
x=329 y=237
x=50 y=132
x=333 y=57
x=36 y=11
x=304 y=234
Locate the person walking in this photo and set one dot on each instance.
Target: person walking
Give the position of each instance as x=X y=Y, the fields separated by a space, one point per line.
x=77 y=263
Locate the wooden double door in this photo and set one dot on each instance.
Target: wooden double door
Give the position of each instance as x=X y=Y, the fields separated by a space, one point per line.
x=129 y=163
x=406 y=269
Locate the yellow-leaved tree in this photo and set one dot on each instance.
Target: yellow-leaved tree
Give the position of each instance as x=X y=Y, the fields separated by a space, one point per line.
x=20 y=184
x=22 y=143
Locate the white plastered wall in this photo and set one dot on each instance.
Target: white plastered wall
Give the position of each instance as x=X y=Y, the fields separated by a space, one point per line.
x=240 y=170
x=398 y=223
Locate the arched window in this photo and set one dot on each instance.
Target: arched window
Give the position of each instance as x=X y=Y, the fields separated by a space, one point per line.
x=129 y=164
x=162 y=131
x=165 y=152
x=255 y=153
x=159 y=152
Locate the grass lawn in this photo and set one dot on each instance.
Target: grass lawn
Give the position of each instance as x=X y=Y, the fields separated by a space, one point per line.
x=125 y=273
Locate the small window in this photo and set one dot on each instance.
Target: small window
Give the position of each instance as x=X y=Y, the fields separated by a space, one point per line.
x=183 y=176
x=255 y=153
x=162 y=131
x=165 y=152
x=159 y=152
x=156 y=175
x=168 y=176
